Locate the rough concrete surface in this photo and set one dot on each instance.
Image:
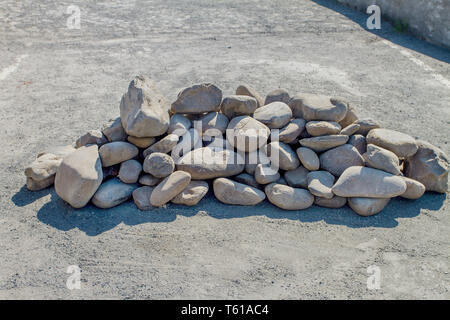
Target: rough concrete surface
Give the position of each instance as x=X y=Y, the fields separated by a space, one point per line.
x=58 y=83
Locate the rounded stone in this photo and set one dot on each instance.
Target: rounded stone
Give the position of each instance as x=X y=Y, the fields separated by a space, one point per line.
x=112 y=193
x=141 y=197
x=246 y=90
x=159 y=164
x=116 y=152
x=368 y=183
x=281 y=155
x=247 y=179
x=320 y=183
x=141 y=142
x=277 y=95
x=247 y=134
x=297 y=178
x=338 y=159
x=266 y=174
x=308 y=158
x=232 y=192
x=274 y=115
x=149 y=180
x=129 y=171
x=319 y=107
x=382 y=159
x=359 y=142
x=321 y=128
x=401 y=144
x=179 y=124
x=288 y=198
x=169 y=188
x=192 y=194
x=335 y=202
x=235 y=105
x=367 y=206
x=199 y=98
x=165 y=145
x=365 y=125
x=414 y=189
x=350 y=129
x=212 y=124
x=291 y=131
x=324 y=143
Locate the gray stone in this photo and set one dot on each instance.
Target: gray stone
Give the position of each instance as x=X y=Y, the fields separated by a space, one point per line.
x=367 y=206
x=207 y=163
x=159 y=165
x=382 y=159
x=34 y=185
x=179 y=124
x=43 y=167
x=247 y=134
x=368 y=183
x=114 y=131
x=430 y=166
x=281 y=155
x=414 y=189
x=274 y=115
x=169 y=188
x=350 y=129
x=359 y=142
x=321 y=128
x=246 y=90
x=252 y=159
x=144 y=111
x=112 y=193
x=349 y=118
x=165 y=145
x=141 y=197
x=189 y=141
x=277 y=95
x=308 y=158
x=297 y=178
x=79 y=175
x=232 y=192
x=91 y=137
x=141 y=142
x=199 y=98
x=117 y=152
x=149 y=180
x=266 y=174
x=320 y=183
x=401 y=144
x=335 y=202
x=291 y=131
x=365 y=125
x=288 y=198
x=235 y=105
x=247 y=179
x=338 y=159
x=129 y=171
x=192 y=194
x=213 y=124
x=323 y=143
x=319 y=107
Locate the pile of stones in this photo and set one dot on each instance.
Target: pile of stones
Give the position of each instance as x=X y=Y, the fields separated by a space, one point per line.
x=295 y=151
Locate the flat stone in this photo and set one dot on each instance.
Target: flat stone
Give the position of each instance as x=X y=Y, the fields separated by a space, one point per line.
x=277 y=95
x=319 y=107
x=367 y=206
x=414 y=189
x=324 y=143
x=291 y=131
x=247 y=179
x=149 y=180
x=282 y=156
x=169 y=188
x=114 y=131
x=247 y=134
x=141 y=142
x=246 y=90
x=350 y=129
x=288 y=198
x=365 y=125
x=338 y=159
x=199 y=98
x=141 y=197
x=144 y=111
x=112 y=193
x=320 y=183
x=266 y=174
x=368 y=183
x=235 y=105
x=117 y=152
x=179 y=124
x=430 y=166
x=274 y=115
x=308 y=158
x=350 y=117
x=297 y=178
x=232 y=192
x=159 y=165
x=192 y=194
x=207 y=163
x=79 y=176
x=91 y=137
x=401 y=144
x=165 y=145
x=335 y=202
x=359 y=142
x=321 y=128
x=129 y=171
x=382 y=159
x=43 y=167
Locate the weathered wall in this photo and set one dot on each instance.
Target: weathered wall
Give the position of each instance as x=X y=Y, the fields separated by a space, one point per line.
x=429 y=19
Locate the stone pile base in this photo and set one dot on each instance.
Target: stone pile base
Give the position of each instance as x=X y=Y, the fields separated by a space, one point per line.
x=294 y=151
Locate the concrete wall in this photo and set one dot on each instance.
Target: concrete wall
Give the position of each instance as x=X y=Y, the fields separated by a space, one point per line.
x=429 y=19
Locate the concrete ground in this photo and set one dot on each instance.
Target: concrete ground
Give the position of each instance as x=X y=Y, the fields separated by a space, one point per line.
x=56 y=83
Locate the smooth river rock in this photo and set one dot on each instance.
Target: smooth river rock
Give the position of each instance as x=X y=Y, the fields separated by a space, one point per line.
x=320 y=183
x=414 y=189
x=235 y=105
x=199 y=98
x=401 y=144
x=338 y=159
x=321 y=128
x=382 y=159
x=159 y=165
x=308 y=158
x=274 y=115
x=232 y=192
x=169 y=188
x=323 y=143
x=112 y=193
x=246 y=90
x=192 y=194
x=116 y=152
x=247 y=134
x=129 y=171
x=288 y=198
x=367 y=206
x=141 y=197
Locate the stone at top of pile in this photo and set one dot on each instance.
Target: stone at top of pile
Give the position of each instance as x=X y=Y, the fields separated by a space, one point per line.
x=293 y=151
